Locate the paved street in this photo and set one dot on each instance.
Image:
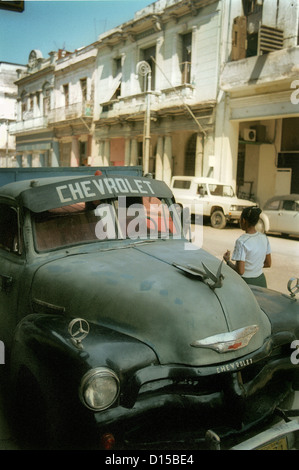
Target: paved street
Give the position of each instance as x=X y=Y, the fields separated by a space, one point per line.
x=285 y=259
x=285 y=253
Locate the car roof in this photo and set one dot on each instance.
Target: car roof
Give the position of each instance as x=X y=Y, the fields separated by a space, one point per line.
x=49 y=193
x=284 y=197
x=198 y=179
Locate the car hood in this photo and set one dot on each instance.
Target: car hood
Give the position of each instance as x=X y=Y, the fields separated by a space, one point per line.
x=138 y=291
x=233 y=201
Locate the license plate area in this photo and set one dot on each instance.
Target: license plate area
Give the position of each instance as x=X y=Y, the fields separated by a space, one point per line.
x=278 y=444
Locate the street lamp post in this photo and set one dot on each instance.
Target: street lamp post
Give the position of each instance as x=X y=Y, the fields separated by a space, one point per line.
x=144 y=69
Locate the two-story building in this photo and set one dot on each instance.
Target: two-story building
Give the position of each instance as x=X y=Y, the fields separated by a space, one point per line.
x=35 y=141
x=71 y=115
x=55 y=109
x=157 y=86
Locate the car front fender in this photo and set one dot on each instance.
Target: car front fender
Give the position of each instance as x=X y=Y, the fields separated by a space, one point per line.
x=281 y=309
x=44 y=345
x=265 y=221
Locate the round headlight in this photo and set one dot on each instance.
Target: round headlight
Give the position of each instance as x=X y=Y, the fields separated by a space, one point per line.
x=99 y=388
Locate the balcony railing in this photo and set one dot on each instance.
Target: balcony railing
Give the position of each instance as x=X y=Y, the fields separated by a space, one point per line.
x=186 y=72
x=28 y=123
x=70 y=112
x=133 y=105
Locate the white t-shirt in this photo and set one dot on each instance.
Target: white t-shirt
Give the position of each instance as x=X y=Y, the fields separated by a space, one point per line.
x=252 y=248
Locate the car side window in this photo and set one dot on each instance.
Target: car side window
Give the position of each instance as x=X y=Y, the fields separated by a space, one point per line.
x=273 y=205
x=182 y=184
x=202 y=190
x=9 y=233
x=289 y=205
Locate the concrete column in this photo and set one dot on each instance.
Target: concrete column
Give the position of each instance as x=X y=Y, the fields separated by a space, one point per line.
x=19 y=161
x=100 y=159
x=134 y=152
x=106 y=154
x=159 y=158
x=75 y=152
x=36 y=162
x=127 y=151
x=54 y=154
x=199 y=155
x=26 y=160
x=167 y=159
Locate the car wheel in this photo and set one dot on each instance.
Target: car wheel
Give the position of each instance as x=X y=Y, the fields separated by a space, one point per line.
x=260 y=226
x=218 y=220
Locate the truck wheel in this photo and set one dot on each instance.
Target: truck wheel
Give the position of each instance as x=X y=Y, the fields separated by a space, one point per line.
x=218 y=220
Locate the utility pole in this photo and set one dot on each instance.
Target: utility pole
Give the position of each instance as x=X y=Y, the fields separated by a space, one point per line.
x=144 y=69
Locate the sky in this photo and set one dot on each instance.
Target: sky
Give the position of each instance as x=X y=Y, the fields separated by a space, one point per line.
x=49 y=25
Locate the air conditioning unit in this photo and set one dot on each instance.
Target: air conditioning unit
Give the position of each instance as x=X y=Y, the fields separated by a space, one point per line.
x=250 y=135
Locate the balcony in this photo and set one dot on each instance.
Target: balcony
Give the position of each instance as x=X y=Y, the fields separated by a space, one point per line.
x=133 y=107
x=261 y=86
x=71 y=112
x=29 y=123
x=263 y=70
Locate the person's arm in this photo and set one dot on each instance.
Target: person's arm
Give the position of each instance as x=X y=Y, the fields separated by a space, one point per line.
x=268 y=261
x=239 y=266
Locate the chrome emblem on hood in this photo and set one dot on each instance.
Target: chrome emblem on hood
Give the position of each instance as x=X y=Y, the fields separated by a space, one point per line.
x=78 y=329
x=227 y=342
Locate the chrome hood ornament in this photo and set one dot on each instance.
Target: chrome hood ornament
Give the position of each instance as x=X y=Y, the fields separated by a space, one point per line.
x=293 y=286
x=204 y=276
x=78 y=330
x=228 y=342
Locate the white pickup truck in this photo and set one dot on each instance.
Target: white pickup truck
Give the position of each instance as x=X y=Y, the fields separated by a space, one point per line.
x=209 y=197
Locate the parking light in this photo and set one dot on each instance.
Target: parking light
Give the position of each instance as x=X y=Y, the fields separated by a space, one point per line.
x=107 y=441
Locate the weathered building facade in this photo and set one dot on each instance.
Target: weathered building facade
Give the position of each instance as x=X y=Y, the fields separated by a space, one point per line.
x=194 y=87
x=8 y=96
x=164 y=63
x=55 y=109
x=261 y=102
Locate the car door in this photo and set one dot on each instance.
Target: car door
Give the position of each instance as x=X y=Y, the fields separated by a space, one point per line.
x=272 y=211
x=289 y=216
x=11 y=270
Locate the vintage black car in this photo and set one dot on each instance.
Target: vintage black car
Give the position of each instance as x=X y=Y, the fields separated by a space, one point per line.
x=121 y=334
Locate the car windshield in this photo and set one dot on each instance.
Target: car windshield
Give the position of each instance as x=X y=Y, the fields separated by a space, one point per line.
x=135 y=218
x=221 y=190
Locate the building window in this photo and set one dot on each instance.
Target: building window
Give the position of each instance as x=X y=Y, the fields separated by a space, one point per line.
x=46 y=99
x=117 y=67
x=83 y=84
x=23 y=104
x=185 y=65
x=117 y=76
x=66 y=94
x=149 y=55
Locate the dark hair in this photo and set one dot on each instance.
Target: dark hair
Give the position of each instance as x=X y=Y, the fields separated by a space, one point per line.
x=251 y=214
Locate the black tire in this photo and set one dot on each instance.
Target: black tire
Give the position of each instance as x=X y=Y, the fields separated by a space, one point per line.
x=218 y=220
